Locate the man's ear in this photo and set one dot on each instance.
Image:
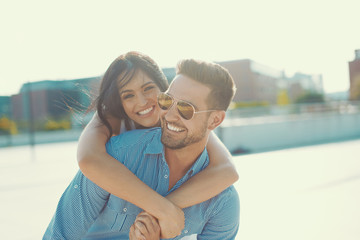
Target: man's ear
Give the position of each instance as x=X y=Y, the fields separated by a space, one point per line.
x=215 y=119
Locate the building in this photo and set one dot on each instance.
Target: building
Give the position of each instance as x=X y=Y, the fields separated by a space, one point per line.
x=5 y=106
x=259 y=83
x=254 y=82
x=301 y=83
x=44 y=100
x=354 y=74
x=169 y=73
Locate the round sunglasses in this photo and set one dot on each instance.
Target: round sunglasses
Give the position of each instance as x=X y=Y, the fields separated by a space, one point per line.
x=185 y=109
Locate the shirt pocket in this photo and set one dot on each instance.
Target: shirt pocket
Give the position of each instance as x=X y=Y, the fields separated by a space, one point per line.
x=120 y=214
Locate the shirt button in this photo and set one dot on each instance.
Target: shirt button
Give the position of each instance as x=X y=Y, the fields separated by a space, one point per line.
x=186 y=231
x=125 y=209
x=76 y=186
x=166 y=176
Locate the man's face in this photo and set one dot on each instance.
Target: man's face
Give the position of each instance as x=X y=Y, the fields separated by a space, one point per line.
x=178 y=132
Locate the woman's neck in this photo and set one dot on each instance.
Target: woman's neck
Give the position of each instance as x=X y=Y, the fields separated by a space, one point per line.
x=138 y=126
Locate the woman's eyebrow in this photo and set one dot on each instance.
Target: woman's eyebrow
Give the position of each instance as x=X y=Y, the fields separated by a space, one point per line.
x=125 y=91
x=128 y=90
x=147 y=83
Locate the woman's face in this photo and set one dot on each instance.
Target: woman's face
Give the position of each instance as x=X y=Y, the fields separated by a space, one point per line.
x=139 y=99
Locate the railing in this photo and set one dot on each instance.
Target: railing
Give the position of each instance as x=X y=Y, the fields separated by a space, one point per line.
x=275 y=113
x=338 y=107
x=274 y=127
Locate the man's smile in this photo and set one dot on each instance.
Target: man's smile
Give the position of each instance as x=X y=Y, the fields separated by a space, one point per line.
x=174 y=128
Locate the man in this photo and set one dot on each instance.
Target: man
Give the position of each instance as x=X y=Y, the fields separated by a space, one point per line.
x=165 y=158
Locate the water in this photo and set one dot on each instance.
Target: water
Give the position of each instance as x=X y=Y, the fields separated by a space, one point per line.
x=301 y=193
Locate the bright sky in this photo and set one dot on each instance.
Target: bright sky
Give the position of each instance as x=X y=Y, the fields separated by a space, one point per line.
x=73 y=38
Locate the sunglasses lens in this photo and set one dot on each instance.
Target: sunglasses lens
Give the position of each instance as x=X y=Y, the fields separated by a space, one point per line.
x=164 y=101
x=185 y=109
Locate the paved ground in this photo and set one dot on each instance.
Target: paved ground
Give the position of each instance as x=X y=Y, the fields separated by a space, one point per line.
x=301 y=193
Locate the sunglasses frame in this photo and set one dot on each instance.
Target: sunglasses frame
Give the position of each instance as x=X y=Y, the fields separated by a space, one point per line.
x=177 y=106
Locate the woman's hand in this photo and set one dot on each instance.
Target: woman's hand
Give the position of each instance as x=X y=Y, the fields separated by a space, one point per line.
x=171 y=222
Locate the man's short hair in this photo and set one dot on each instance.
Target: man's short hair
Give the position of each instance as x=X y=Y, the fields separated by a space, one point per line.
x=212 y=75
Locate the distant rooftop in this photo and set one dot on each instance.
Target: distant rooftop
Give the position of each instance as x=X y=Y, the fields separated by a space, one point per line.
x=54 y=84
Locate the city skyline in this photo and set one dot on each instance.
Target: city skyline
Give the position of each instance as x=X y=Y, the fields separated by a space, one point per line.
x=45 y=40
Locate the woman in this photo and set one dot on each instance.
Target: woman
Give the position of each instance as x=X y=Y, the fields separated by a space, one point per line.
x=128 y=100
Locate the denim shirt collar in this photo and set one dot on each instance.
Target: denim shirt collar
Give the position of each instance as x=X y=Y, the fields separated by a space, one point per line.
x=155 y=146
x=200 y=163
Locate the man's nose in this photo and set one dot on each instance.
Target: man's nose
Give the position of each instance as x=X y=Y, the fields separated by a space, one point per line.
x=172 y=113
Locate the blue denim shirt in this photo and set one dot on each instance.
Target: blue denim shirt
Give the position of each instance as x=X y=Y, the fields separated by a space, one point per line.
x=86 y=211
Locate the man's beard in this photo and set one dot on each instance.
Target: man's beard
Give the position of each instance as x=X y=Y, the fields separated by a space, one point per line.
x=174 y=143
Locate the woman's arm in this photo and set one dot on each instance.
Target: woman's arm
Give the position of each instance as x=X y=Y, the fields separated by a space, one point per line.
x=216 y=177
x=114 y=177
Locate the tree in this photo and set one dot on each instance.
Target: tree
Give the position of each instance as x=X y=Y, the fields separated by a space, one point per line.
x=52 y=125
x=310 y=97
x=8 y=126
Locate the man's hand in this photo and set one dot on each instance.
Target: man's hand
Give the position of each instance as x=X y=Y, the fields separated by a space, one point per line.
x=145 y=227
x=171 y=221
